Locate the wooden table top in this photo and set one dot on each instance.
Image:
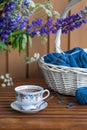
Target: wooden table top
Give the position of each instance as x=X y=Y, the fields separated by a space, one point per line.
x=54 y=117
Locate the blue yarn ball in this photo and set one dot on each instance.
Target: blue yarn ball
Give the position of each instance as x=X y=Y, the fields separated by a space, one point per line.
x=81 y=95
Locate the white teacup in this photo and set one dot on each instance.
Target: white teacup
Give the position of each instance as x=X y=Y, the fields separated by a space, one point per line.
x=30 y=95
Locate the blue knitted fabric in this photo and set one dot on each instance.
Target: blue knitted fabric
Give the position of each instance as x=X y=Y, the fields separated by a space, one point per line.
x=76 y=57
x=81 y=95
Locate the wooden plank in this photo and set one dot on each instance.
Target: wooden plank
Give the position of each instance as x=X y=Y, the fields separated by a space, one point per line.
x=79 y=36
x=54 y=117
x=3 y=63
x=16 y=64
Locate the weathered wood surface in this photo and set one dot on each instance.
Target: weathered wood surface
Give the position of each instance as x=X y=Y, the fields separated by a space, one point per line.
x=54 y=117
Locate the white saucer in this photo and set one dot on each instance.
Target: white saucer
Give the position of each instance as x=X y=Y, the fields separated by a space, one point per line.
x=15 y=105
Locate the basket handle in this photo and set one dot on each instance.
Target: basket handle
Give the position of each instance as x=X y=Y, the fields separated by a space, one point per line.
x=63 y=15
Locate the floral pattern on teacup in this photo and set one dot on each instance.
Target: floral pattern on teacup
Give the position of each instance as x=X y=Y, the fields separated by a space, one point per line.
x=29 y=98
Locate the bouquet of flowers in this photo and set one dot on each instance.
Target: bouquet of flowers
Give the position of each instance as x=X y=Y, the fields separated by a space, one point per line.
x=15 y=25
x=16 y=28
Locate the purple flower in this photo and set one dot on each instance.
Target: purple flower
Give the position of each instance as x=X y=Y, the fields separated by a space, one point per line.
x=49 y=22
x=15 y=20
x=26 y=2
x=34 y=33
x=84 y=20
x=54 y=31
x=42 y=30
x=18 y=18
x=37 y=22
x=26 y=19
x=22 y=25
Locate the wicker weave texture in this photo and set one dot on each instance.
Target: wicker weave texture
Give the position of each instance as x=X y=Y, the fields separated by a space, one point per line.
x=64 y=80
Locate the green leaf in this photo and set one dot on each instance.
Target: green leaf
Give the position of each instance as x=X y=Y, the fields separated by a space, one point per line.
x=24 y=41
x=2 y=4
x=15 y=44
x=4 y=46
x=10 y=38
x=17 y=32
x=0 y=50
x=30 y=40
x=37 y=5
x=27 y=59
x=20 y=48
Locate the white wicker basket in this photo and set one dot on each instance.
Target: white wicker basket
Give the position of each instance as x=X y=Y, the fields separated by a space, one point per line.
x=63 y=79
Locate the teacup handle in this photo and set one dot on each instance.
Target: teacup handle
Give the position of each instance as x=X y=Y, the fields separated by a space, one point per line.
x=48 y=93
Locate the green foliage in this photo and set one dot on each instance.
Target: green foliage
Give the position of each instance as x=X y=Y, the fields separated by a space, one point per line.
x=2 y=3
x=17 y=37
x=4 y=46
x=17 y=32
x=22 y=42
x=15 y=43
x=30 y=40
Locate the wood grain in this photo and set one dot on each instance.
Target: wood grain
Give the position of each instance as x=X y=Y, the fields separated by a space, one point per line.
x=54 y=117
x=78 y=37
x=3 y=63
x=16 y=64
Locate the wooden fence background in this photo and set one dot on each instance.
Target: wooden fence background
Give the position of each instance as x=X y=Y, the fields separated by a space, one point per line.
x=14 y=63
